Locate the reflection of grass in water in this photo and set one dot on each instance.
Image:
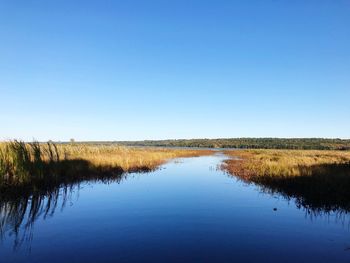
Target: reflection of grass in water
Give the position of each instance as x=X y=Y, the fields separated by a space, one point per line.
x=34 y=176
x=33 y=165
x=318 y=180
x=19 y=212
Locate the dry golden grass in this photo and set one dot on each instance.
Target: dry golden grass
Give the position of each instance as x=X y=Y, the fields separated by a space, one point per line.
x=318 y=180
x=34 y=164
x=127 y=158
x=282 y=163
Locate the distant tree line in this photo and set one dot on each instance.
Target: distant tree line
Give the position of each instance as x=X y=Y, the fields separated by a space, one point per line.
x=250 y=143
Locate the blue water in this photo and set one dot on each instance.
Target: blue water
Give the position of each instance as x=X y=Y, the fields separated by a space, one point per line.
x=188 y=211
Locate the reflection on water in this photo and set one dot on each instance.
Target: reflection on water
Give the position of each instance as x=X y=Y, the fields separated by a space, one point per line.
x=325 y=191
x=188 y=207
x=313 y=211
x=314 y=207
x=18 y=215
x=18 y=212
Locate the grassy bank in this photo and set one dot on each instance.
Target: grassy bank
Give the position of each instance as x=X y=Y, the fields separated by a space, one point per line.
x=35 y=176
x=317 y=179
x=38 y=165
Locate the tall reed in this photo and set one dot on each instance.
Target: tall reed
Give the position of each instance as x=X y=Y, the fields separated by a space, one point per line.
x=20 y=161
x=34 y=164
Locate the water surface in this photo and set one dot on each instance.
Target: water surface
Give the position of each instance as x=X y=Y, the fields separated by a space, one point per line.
x=188 y=211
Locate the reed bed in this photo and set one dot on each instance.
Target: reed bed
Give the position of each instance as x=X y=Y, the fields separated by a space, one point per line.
x=36 y=164
x=33 y=176
x=317 y=179
x=127 y=158
x=253 y=164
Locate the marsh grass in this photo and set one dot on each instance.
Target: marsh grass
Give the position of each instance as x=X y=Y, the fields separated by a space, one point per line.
x=35 y=176
x=316 y=179
x=129 y=159
x=20 y=162
x=43 y=165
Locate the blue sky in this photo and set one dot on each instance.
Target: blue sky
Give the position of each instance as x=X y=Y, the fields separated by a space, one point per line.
x=130 y=70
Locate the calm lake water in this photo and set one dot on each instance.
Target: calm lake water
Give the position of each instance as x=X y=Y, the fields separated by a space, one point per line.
x=188 y=211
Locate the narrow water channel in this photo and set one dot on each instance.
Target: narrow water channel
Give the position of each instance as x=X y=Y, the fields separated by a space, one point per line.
x=187 y=211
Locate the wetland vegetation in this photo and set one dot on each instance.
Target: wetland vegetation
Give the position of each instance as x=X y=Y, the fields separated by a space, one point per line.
x=38 y=166
x=40 y=179
x=116 y=217
x=316 y=179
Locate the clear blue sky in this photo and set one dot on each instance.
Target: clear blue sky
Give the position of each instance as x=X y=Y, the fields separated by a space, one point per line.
x=128 y=70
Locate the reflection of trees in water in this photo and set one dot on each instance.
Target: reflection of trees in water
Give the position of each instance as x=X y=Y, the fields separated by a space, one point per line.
x=19 y=212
